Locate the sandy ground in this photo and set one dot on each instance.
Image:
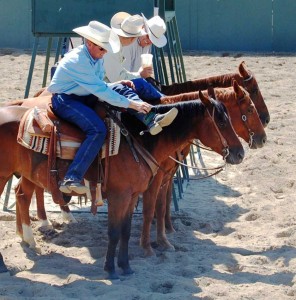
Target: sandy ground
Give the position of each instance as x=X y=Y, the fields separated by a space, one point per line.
x=235 y=232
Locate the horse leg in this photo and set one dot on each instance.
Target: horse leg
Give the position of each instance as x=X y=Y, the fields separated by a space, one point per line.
x=24 y=192
x=149 y=201
x=3 y=181
x=162 y=240
x=168 y=221
x=41 y=213
x=66 y=214
x=123 y=261
x=114 y=230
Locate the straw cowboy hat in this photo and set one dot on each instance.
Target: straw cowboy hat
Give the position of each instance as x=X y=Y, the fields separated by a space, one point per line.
x=126 y=25
x=101 y=35
x=156 y=28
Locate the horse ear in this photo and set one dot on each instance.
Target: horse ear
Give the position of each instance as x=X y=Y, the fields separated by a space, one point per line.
x=211 y=92
x=243 y=70
x=205 y=100
x=237 y=89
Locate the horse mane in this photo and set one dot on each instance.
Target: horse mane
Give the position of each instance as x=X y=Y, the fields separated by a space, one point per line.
x=188 y=112
x=224 y=80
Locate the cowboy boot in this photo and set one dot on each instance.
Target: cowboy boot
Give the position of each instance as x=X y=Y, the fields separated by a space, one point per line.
x=155 y=122
x=68 y=186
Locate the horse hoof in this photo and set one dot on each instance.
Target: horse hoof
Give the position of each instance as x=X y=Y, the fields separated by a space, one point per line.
x=112 y=276
x=166 y=246
x=127 y=271
x=170 y=230
x=45 y=224
x=149 y=252
x=37 y=249
x=170 y=249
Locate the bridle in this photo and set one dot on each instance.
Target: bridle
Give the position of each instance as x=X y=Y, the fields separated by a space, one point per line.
x=245 y=120
x=253 y=91
x=225 y=150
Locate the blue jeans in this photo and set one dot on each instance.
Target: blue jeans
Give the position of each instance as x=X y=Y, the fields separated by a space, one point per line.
x=79 y=111
x=143 y=89
x=146 y=90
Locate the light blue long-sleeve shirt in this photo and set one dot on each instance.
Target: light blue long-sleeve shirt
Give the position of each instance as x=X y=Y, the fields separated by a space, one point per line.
x=78 y=73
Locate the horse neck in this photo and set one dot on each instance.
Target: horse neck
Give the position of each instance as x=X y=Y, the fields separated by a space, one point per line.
x=225 y=95
x=217 y=81
x=202 y=84
x=185 y=128
x=179 y=98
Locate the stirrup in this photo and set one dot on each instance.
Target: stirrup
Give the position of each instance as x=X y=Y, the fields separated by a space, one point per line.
x=153 y=129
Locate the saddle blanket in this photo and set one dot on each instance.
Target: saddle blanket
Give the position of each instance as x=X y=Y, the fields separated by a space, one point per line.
x=31 y=136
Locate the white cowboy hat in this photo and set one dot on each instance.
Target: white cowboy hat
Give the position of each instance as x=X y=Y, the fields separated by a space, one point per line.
x=101 y=35
x=156 y=28
x=126 y=25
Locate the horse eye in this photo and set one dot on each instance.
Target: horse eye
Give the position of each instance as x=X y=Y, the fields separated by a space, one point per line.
x=222 y=123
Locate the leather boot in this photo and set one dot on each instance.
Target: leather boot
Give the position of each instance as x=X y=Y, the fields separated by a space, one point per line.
x=161 y=120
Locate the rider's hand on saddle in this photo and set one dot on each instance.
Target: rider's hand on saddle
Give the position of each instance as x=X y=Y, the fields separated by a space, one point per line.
x=146 y=72
x=140 y=106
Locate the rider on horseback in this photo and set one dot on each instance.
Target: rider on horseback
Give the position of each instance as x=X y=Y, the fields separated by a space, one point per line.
x=78 y=83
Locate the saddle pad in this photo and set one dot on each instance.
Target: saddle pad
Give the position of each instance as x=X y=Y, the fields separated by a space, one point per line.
x=32 y=137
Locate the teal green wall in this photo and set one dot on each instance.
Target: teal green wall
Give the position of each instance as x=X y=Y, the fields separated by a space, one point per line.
x=215 y=25
x=61 y=16
x=15 y=24
x=237 y=25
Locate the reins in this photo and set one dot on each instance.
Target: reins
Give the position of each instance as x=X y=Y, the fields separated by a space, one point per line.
x=245 y=120
x=151 y=161
x=225 y=150
x=222 y=139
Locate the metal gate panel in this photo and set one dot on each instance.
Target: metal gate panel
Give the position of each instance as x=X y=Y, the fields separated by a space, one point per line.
x=284 y=29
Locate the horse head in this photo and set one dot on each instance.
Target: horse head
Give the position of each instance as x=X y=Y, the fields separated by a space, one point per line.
x=223 y=138
x=245 y=118
x=251 y=85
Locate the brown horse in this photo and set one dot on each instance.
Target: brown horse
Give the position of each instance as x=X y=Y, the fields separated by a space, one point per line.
x=237 y=102
x=206 y=120
x=247 y=125
x=244 y=78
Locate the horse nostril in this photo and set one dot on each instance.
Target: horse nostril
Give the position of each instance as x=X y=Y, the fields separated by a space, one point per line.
x=241 y=155
x=264 y=140
x=266 y=121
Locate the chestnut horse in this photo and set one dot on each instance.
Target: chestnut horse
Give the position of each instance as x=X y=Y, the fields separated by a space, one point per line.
x=244 y=78
x=206 y=120
x=247 y=125
x=237 y=102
